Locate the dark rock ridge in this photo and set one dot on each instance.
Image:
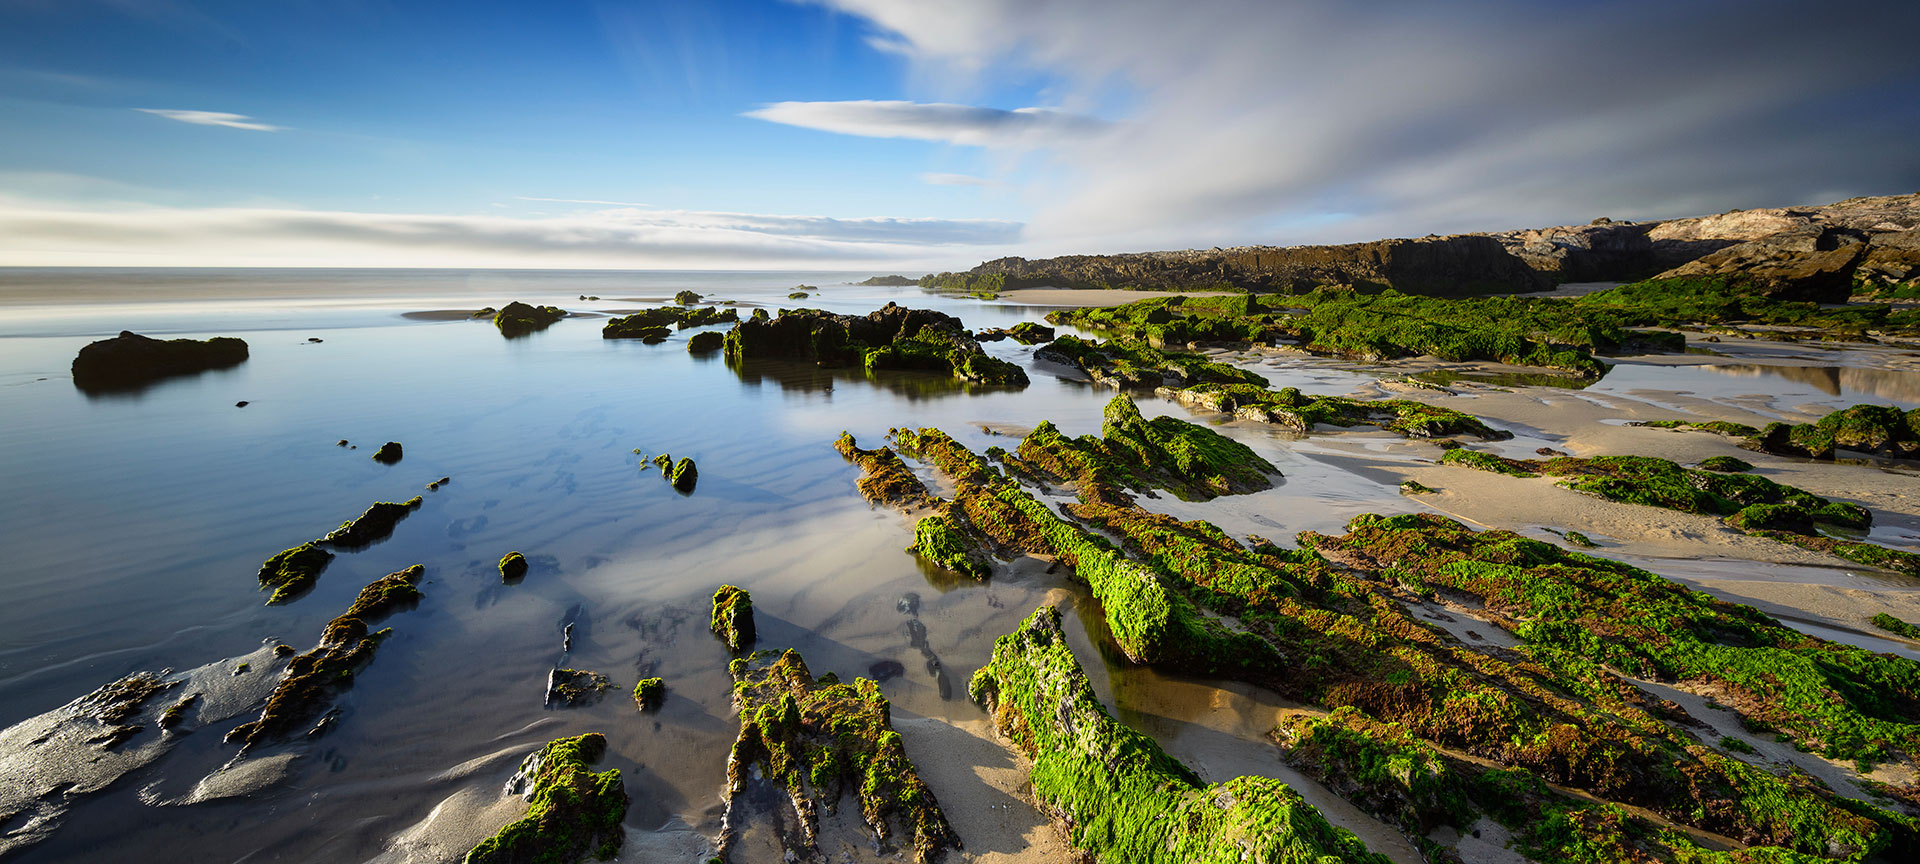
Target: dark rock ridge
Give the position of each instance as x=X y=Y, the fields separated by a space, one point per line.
x=130 y=360
x=890 y=338
x=1868 y=245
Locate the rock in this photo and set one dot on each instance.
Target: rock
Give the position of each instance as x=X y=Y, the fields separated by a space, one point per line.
x=376 y=524
x=131 y=360
x=240 y=404
x=888 y=281
x=389 y=453
x=732 y=617
x=706 y=342
x=513 y=567
x=1029 y=333
x=686 y=298
x=890 y=338
x=573 y=812
x=648 y=694
x=518 y=319
x=571 y=688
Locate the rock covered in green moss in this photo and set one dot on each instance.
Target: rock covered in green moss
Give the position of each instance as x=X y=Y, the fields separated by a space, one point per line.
x=686 y=298
x=1873 y=429
x=628 y=328
x=1130 y=364
x=313 y=679
x=1117 y=795
x=389 y=453
x=1415 y=487
x=684 y=475
x=890 y=338
x=1191 y=461
x=291 y=572
x=884 y=478
x=131 y=360
x=1896 y=626
x=732 y=618
x=376 y=524
x=1029 y=333
x=648 y=694
x=569 y=688
x=706 y=342
x=651 y=325
x=1726 y=465
x=519 y=319
x=818 y=740
x=1294 y=410
x=572 y=811
x=513 y=566
x=945 y=540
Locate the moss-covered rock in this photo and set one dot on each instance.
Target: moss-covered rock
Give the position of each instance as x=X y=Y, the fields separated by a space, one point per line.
x=519 y=319
x=130 y=360
x=1191 y=461
x=1132 y=364
x=686 y=298
x=732 y=618
x=706 y=342
x=946 y=540
x=313 y=679
x=1294 y=410
x=1873 y=429
x=572 y=812
x=1726 y=465
x=648 y=694
x=371 y=527
x=651 y=325
x=292 y=572
x=819 y=739
x=569 y=688
x=884 y=478
x=1896 y=626
x=890 y=338
x=1115 y=793
x=389 y=453
x=513 y=567
x=684 y=475
x=1029 y=333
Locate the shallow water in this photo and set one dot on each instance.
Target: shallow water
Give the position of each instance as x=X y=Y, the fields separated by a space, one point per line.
x=137 y=521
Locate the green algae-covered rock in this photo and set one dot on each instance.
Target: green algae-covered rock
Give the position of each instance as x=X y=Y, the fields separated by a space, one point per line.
x=732 y=618
x=706 y=342
x=943 y=539
x=1726 y=465
x=389 y=453
x=519 y=319
x=1873 y=429
x=1116 y=793
x=686 y=298
x=291 y=572
x=648 y=694
x=572 y=812
x=130 y=360
x=684 y=475
x=513 y=566
x=890 y=338
x=372 y=526
x=1029 y=333
x=817 y=740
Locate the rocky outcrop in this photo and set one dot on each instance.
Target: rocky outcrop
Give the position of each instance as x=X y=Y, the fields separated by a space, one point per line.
x=131 y=360
x=890 y=338
x=1802 y=251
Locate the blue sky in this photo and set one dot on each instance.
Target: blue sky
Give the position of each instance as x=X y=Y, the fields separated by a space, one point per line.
x=893 y=133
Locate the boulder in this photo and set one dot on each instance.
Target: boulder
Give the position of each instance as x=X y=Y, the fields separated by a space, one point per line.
x=130 y=360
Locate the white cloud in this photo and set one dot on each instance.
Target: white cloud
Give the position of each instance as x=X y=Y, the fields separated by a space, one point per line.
x=42 y=234
x=967 y=125
x=935 y=179
x=1326 y=120
x=213 y=118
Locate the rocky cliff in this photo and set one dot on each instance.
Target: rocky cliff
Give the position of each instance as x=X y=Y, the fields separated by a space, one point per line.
x=1870 y=245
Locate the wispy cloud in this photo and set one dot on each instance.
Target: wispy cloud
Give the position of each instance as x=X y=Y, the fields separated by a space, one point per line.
x=213 y=118
x=1326 y=120
x=936 y=179
x=969 y=125
x=582 y=201
x=43 y=234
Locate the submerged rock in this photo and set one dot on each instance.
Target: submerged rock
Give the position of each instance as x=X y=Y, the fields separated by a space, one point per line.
x=519 y=319
x=130 y=360
x=732 y=618
x=1115 y=793
x=572 y=812
x=818 y=740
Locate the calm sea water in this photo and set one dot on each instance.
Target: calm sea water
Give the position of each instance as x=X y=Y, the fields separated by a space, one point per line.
x=134 y=524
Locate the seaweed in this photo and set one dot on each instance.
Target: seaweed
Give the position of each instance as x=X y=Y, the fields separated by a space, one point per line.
x=572 y=812
x=819 y=739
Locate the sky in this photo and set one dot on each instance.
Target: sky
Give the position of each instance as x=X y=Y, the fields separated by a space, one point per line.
x=912 y=135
